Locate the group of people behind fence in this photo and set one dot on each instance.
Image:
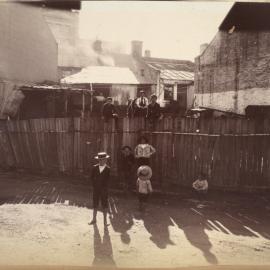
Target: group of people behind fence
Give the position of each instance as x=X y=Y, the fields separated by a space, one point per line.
x=139 y=107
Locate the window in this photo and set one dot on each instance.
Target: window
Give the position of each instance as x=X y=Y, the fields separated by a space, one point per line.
x=168 y=91
x=182 y=95
x=142 y=72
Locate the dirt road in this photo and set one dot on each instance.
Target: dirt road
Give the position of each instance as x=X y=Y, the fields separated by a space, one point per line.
x=45 y=222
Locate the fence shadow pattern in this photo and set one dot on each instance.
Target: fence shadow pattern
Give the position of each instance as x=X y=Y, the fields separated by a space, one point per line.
x=232 y=154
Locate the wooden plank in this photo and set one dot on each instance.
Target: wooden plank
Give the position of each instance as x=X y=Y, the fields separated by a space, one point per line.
x=12 y=140
x=36 y=141
x=265 y=160
x=192 y=157
x=217 y=165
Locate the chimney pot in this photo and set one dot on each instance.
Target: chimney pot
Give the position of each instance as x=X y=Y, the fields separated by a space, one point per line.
x=136 y=48
x=203 y=47
x=147 y=53
x=97 y=46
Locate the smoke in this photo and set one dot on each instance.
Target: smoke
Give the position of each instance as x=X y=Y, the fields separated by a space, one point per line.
x=84 y=53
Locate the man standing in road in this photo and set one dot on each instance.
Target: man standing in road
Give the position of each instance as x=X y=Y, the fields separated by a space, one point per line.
x=100 y=178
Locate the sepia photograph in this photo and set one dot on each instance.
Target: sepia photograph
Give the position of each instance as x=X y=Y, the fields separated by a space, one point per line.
x=134 y=134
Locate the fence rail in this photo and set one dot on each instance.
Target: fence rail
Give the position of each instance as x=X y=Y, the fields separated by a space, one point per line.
x=233 y=158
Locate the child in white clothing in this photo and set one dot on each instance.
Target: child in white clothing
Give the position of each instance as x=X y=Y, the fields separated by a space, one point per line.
x=201 y=186
x=144 y=185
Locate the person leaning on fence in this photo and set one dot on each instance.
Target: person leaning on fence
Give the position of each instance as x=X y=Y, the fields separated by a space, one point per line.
x=144 y=151
x=141 y=104
x=130 y=108
x=144 y=186
x=108 y=110
x=126 y=166
x=153 y=110
x=100 y=178
x=200 y=186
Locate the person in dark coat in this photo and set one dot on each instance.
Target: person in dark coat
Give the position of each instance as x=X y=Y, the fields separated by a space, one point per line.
x=153 y=109
x=108 y=110
x=100 y=177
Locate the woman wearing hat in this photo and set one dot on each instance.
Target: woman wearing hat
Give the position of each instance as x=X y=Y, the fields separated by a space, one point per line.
x=100 y=179
x=144 y=185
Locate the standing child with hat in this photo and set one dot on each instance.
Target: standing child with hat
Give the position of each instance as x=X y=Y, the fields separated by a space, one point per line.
x=100 y=179
x=144 y=185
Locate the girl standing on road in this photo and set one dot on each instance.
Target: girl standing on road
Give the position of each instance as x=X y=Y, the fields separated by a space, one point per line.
x=144 y=185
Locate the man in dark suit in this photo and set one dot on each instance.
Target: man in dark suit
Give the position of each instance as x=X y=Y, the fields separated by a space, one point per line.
x=108 y=110
x=100 y=179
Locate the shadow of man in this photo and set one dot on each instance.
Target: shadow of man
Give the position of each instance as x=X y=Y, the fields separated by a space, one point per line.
x=158 y=227
x=121 y=220
x=103 y=252
x=199 y=239
x=194 y=227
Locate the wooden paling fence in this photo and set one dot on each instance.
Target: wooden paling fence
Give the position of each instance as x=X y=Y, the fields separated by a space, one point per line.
x=232 y=151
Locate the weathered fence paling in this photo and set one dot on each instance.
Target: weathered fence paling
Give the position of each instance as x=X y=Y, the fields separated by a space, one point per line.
x=228 y=150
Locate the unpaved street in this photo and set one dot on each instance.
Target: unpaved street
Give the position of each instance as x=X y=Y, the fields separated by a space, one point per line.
x=44 y=222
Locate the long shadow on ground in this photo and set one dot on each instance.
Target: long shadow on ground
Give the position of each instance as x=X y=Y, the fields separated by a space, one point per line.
x=229 y=217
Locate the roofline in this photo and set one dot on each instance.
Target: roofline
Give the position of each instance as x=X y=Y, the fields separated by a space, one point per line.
x=209 y=44
x=227 y=15
x=176 y=61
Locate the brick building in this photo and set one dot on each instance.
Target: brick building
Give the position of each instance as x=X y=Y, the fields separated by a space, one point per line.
x=233 y=71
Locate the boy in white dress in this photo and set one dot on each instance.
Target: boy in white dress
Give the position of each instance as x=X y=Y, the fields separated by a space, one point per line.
x=144 y=185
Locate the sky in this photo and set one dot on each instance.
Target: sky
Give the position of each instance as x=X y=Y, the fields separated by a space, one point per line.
x=168 y=29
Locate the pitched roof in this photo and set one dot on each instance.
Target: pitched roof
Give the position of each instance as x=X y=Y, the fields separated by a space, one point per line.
x=134 y=64
x=169 y=74
x=247 y=16
x=102 y=74
x=163 y=63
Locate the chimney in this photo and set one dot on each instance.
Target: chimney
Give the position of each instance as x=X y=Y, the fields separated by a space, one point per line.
x=136 y=48
x=97 y=46
x=203 y=47
x=147 y=53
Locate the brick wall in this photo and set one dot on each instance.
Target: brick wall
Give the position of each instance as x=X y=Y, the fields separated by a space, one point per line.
x=28 y=50
x=234 y=71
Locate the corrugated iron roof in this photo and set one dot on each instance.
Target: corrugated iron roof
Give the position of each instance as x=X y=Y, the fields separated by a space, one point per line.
x=102 y=74
x=52 y=88
x=169 y=74
x=162 y=63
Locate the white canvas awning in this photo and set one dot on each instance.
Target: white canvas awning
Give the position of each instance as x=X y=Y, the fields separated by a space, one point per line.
x=102 y=74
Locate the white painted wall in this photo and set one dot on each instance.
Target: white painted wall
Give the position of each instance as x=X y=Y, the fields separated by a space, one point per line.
x=234 y=101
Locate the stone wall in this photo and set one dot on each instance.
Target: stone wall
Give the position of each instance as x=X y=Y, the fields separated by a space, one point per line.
x=234 y=71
